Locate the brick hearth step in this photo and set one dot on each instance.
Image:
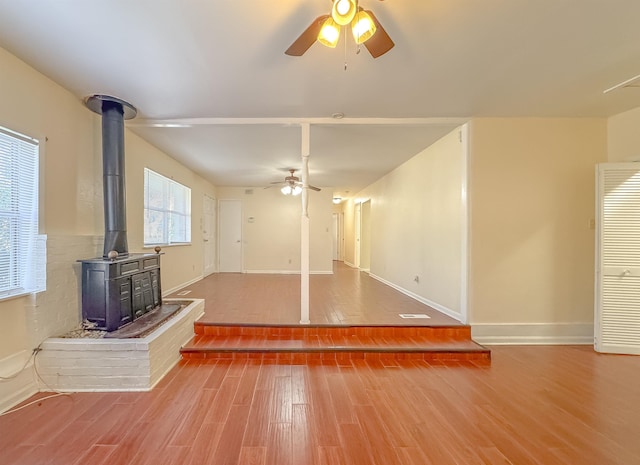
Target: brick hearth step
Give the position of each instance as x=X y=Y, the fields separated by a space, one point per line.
x=305 y=343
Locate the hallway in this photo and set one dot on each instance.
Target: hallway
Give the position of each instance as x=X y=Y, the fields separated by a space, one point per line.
x=347 y=297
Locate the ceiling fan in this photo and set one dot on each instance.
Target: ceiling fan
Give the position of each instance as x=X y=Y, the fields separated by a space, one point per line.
x=292 y=184
x=325 y=29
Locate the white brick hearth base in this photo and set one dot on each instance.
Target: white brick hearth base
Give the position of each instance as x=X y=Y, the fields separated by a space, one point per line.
x=135 y=364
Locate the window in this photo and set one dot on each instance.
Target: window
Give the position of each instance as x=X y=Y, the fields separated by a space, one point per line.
x=22 y=250
x=167 y=210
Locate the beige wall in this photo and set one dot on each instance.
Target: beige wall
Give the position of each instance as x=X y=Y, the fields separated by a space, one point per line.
x=180 y=264
x=272 y=241
x=623 y=136
x=71 y=211
x=13 y=331
x=36 y=106
x=417 y=224
x=532 y=197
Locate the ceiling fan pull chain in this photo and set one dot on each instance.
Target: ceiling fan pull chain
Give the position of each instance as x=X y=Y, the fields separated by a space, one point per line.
x=345 y=53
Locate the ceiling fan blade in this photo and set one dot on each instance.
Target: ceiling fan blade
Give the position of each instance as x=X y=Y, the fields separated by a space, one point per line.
x=380 y=43
x=313 y=188
x=307 y=38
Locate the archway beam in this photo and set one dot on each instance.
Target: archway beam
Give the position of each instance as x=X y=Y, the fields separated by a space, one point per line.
x=187 y=122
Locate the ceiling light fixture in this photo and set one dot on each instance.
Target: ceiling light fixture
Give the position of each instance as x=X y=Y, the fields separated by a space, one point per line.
x=291 y=190
x=362 y=27
x=337 y=200
x=330 y=33
x=344 y=12
x=326 y=29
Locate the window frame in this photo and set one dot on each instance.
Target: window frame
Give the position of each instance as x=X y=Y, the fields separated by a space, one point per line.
x=26 y=265
x=167 y=210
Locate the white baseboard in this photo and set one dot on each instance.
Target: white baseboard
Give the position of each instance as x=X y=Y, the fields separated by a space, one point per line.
x=284 y=272
x=423 y=300
x=532 y=333
x=181 y=286
x=22 y=386
x=349 y=264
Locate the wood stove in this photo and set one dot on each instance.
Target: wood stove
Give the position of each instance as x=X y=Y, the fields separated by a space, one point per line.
x=117 y=288
x=116 y=292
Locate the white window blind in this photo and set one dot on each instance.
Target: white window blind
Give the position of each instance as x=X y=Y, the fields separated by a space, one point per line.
x=22 y=250
x=167 y=210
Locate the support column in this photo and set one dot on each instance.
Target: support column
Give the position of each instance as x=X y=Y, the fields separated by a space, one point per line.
x=304 y=228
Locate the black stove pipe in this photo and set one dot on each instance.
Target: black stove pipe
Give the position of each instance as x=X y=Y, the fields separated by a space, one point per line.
x=114 y=111
x=115 y=208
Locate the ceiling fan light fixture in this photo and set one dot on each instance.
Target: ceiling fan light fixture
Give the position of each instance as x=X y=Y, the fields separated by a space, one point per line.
x=362 y=27
x=286 y=190
x=296 y=190
x=329 y=33
x=343 y=11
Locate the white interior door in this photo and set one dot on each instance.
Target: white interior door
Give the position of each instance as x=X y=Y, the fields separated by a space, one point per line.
x=617 y=322
x=230 y=236
x=357 y=225
x=341 y=235
x=336 y=236
x=208 y=234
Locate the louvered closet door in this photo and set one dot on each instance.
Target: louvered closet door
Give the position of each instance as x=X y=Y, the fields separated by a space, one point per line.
x=617 y=322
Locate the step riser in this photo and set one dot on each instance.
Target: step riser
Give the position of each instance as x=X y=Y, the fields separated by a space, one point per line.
x=300 y=332
x=300 y=358
x=299 y=344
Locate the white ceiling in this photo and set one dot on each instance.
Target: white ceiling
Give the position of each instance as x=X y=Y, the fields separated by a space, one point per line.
x=224 y=59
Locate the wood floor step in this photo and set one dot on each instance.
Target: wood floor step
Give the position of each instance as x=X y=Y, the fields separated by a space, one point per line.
x=440 y=332
x=289 y=349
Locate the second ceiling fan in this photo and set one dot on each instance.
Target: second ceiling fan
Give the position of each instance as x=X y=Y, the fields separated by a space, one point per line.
x=292 y=184
x=365 y=27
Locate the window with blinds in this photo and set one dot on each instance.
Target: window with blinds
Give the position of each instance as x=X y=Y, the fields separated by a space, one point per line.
x=22 y=250
x=167 y=210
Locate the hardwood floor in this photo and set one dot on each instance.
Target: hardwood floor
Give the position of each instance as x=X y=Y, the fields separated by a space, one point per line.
x=348 y=296
x=539 y=405
x=298 y=344
x=535 y=405
x=352 y=316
